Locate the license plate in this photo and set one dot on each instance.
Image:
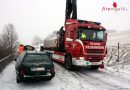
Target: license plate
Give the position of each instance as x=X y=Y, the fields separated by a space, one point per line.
x=37 y=69
x=95 y=63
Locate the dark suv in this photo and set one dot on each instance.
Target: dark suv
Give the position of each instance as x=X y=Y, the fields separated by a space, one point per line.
x=33 y=64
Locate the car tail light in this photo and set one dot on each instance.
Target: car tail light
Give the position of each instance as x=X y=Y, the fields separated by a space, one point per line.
x=21 y=71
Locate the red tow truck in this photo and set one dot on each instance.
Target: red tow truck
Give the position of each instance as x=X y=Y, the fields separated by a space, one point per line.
x=78 y=42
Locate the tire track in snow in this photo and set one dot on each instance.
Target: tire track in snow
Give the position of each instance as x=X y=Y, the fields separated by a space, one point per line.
x=101 y=79
x=71 y=83
x=95 y=82
x=107 y=78
x=89 y=82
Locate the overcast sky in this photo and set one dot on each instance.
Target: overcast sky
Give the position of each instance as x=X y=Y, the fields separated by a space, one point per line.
x=41 y=17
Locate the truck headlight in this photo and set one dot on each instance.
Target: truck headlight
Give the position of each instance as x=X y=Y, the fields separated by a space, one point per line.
x=80 y=58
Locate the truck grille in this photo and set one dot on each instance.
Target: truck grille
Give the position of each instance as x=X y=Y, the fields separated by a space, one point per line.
x=94 y=51
x=94 y=55
x=94 y=59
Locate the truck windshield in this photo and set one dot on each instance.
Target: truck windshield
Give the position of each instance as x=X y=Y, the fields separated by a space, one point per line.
x=91 y=34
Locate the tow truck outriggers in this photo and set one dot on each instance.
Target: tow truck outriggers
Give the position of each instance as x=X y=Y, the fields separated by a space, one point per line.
x=79 y=42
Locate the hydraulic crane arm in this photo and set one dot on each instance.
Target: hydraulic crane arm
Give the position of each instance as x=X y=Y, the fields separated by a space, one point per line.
x=71 y=9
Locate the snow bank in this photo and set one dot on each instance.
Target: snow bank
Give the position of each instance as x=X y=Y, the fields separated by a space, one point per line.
x=124 y=58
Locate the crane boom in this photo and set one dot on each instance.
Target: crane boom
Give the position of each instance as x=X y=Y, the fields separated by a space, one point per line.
x=71 y=9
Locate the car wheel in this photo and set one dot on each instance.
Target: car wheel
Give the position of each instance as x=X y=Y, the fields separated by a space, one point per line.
x=52 y=76
x=47 y=78
x=68 y=62
x=18 y=80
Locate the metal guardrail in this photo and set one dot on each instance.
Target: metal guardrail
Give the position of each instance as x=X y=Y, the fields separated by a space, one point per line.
x=6 y=58
x=5 y=61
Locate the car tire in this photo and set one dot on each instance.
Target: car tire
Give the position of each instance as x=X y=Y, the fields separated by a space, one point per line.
x=48 y=78
x=68 y=62
x=52 y=76
x=18 y=80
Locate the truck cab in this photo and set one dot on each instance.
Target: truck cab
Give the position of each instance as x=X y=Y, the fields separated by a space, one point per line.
x=85 y=41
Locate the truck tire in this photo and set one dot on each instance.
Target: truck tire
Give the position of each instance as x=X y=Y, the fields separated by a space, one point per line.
x=68 y=62
x=94 y=67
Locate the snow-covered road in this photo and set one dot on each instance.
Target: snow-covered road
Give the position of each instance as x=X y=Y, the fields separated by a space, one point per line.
x=80 y=79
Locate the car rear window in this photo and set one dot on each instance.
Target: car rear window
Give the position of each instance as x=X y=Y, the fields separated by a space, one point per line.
x=37 y=58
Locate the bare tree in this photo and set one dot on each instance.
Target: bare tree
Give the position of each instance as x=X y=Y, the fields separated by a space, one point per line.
x=36 y=41
x=8 y=40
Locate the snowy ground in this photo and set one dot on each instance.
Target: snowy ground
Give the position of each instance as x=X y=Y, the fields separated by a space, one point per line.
x=115 y=76
x=82 y=79
x=124 y=52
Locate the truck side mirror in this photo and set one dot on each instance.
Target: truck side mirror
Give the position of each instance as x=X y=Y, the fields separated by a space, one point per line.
x=106 y=36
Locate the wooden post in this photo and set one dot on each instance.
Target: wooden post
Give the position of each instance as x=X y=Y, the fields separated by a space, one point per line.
x=118 y=52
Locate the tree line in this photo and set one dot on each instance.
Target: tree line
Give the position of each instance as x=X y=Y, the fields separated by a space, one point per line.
x=8 y=41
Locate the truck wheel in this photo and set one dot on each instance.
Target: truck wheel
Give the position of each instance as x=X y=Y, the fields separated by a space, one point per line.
x=94 y=67
x=68 y=62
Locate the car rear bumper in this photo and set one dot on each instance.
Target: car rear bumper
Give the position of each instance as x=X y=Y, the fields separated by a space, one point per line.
x=48 y=75
x=35 y=76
